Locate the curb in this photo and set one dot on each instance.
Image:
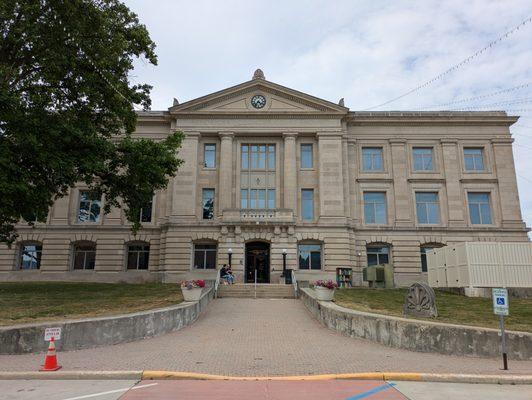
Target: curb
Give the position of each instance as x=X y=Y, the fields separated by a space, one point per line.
x=176 y=375
x=384 y=376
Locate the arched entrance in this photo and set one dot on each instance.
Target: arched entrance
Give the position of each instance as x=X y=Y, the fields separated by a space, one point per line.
x=257 y=259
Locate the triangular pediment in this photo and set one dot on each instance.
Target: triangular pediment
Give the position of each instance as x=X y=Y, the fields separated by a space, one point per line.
x=277 y=100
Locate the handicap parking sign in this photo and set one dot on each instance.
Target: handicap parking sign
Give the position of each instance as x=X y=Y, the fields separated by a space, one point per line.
x=500 y=301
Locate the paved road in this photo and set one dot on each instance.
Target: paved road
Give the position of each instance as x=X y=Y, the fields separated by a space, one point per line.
x=258 y=390
x=259 y=337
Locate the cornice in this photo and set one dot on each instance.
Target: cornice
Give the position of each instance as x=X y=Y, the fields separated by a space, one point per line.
x=430 y=118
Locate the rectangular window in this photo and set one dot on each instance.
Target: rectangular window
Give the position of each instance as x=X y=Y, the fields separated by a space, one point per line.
x=145 y=212
x=89 y=207
x=271 y=199
x=244 y=198
x=372 y=159
x=423 y=158
x=378 y=255
x=479 y=208
x=258 y=157
x=427 y=208
x=474 y=159
x=307 y=204
x=306 y=156
x=258 y=199
x=84 y=256
x=208 y=203
x=424 y=251
x=30 y=256
x=209 y=155
x=205 y=256
x=309 y=256
x=138 y=256
x=375 y=208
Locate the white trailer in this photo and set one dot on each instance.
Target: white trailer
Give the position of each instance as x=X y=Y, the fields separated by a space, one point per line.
x=481 y=265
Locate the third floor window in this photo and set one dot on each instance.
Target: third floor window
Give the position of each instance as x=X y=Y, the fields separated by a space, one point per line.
x=306 y=155
x=423 y=158
x=210 y=155
x=372 y=159
x=473 y=159
x=258 y=157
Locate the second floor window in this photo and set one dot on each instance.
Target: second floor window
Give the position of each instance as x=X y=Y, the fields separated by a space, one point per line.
x=306 y=156
x=145 y=212
x=427 y=208
x=209 y=155
x=307 y=204
x=479 y=208
x=89 y=207
x=375 y=208
x=257 y=198
x=473 y=159
x=208 y=203
x=422 y=158
x=372 y=159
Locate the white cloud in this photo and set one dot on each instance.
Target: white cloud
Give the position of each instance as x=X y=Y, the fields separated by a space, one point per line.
x=365 y=51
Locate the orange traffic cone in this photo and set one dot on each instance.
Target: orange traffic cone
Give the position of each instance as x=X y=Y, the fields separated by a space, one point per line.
x=50 y=361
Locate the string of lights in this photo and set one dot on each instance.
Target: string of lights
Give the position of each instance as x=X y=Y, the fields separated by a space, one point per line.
x=488 y=106
x=474 y=98
x=99 y=71
x=456 y=66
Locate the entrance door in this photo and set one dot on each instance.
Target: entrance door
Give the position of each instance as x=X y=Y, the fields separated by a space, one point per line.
x=258 y=259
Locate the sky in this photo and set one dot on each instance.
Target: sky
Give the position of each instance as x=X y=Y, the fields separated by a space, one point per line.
x=367 y=52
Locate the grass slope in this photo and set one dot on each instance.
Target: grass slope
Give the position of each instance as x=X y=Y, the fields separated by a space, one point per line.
x=452 y=308
x=48 y=301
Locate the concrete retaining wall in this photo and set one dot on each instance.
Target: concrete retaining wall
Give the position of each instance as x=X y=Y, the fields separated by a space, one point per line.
x=92 y=332
x=416 y=335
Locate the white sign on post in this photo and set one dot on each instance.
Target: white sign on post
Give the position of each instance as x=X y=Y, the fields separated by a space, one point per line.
x=500 y=301
x=50 y=333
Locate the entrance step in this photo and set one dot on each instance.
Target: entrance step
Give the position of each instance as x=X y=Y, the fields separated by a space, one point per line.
x=264 y=291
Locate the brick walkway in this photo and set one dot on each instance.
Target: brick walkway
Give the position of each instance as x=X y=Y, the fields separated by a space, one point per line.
x=260 y=337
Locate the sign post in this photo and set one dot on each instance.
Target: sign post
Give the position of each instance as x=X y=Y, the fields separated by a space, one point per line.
x=501 y=308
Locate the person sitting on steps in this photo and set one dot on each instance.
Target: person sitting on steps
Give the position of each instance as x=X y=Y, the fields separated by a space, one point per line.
x=227 y=275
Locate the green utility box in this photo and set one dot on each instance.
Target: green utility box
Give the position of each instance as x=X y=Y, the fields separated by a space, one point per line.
x=379 y=275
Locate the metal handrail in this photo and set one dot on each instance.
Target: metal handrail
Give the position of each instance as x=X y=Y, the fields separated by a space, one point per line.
x=294 y=283
x=255 y=283
x=217 y=283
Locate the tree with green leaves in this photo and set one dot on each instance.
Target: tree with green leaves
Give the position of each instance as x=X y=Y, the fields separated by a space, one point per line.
x=66 y=109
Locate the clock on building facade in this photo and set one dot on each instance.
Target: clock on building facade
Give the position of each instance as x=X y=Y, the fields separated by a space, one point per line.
x=258 y=101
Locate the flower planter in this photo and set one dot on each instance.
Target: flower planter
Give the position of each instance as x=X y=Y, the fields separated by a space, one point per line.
x=323 y=293
x=193 y=294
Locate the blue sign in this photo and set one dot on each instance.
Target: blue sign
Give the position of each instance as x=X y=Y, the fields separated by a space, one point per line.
x=500 y=301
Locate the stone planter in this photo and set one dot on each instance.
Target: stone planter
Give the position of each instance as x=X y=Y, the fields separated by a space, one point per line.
x=191 y=294
x=323 y=293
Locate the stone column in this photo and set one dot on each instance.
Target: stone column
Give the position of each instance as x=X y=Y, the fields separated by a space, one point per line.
x=225 y=186
x=402 y=195
x=331 y=179
x=508 y=192
x=185 y=181
x=290 y=172
x=455 y=205
x=353 y=173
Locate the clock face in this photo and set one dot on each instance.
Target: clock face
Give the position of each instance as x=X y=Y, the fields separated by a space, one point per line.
x=258 y=101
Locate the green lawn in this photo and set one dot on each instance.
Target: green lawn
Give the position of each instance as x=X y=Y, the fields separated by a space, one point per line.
x=452 y=308
x=48 y=301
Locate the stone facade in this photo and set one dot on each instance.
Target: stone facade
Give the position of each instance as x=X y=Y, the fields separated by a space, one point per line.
x=304 y=168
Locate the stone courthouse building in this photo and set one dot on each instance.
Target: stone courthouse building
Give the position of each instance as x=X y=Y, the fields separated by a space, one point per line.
x=269 y=170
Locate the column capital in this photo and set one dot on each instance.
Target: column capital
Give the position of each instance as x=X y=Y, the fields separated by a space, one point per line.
x=448 y=141
x=502 y=141
x=289 y=135
x=192 y=135
x=226 y=135
x=397 y=141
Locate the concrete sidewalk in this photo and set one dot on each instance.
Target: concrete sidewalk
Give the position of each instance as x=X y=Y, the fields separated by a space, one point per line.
x=260 y=338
